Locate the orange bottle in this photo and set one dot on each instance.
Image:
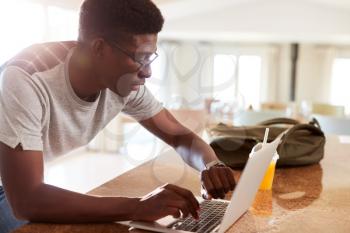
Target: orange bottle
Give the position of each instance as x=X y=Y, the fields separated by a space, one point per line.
x=266 y=184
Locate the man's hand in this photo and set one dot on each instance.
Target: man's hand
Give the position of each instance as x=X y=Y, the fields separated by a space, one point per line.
x=194 y=151
x=166 y=200
x=217 y=181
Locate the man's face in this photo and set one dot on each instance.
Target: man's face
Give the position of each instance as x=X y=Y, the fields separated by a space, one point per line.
x=122 y=67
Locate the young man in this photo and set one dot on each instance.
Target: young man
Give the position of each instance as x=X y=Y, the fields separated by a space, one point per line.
x=57 y=96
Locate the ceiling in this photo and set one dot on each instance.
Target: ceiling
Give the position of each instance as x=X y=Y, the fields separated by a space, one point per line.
x=163 y=3
x=252 y=20
x=322 y=21
x=336 y=3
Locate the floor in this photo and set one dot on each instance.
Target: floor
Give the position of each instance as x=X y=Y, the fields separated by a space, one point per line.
x=83 y=170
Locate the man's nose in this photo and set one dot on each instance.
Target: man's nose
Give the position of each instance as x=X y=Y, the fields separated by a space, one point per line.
x=145 y=71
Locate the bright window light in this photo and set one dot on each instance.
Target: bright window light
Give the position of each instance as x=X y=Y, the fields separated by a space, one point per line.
x=340 y=94
x=224 y=77
x=24 y=23
x=249 y=77
x=229 y=86
x=63 y=23
x=21 y=25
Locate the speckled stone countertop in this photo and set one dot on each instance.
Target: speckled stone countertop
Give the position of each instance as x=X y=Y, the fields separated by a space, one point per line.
x=305 y=199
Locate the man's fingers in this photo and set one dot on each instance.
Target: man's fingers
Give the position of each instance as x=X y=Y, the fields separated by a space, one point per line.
x=175 y=212
x=183 y=207
x=230 y=178
x=209 y=186
x=205 y=194
x=188 y=195
x=183 y=199
x=214 y=177
x=223 y=178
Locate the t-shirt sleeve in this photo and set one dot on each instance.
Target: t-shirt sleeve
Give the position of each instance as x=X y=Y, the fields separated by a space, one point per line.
x=21 y=110
x=142 y=105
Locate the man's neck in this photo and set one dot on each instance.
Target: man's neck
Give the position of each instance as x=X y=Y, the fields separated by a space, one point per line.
x=82 y=77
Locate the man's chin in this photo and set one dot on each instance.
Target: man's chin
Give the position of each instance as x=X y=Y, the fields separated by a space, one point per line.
x=126 y=91
x=122 y=93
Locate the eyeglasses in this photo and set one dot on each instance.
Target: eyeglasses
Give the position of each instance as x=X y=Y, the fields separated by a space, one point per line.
x=141 y=59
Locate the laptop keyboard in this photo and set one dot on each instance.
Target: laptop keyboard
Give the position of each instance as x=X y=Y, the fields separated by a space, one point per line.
x=209 y=217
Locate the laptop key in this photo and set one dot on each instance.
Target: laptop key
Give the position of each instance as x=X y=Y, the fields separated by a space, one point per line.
x=211 y=214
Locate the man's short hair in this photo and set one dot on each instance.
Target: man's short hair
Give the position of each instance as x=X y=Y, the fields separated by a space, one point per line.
x=110 y=18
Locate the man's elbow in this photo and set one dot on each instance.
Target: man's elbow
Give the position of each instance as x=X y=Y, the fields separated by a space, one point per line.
x=26 y=208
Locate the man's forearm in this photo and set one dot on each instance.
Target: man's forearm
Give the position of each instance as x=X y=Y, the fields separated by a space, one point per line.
x=52 y=204
x=194 y=150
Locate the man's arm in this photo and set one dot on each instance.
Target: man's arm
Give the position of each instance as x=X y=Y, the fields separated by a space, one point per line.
x=192 y=148
x=33 y=200
x=195 y=152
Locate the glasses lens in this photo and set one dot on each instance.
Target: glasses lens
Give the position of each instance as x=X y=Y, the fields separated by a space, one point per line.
x=153 y=57
x=145 y=58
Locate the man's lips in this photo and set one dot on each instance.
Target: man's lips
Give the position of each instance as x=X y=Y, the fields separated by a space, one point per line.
x=136 y=86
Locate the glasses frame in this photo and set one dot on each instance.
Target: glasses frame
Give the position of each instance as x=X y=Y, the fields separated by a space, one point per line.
x=142 y=64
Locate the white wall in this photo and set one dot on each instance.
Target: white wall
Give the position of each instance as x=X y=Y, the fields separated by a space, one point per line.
x=319 y=26
x=313 y=72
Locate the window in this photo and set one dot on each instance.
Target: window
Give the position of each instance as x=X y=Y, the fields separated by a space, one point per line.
x=224 y=83
x=249 y=77
x=237 y=77
x=62 y=23
x=340 y=83
x=24 y=23
x=20 y=26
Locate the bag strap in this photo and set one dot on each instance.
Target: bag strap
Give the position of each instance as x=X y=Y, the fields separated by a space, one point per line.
x=284 y=135
x=280 y=120
x=315 y=123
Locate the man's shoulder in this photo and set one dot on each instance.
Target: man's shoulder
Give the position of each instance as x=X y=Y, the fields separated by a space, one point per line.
x=41 y=57
x=16 y=82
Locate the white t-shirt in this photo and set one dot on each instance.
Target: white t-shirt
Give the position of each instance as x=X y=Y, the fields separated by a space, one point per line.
x=40 y=110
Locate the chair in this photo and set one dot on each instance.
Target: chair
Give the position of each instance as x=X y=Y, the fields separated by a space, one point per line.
x=275 y=106
x=328 y=109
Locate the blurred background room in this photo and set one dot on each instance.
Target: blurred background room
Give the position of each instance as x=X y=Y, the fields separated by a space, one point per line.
x=231 y=61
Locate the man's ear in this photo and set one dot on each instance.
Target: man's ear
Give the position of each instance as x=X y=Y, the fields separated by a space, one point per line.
x=98 y=47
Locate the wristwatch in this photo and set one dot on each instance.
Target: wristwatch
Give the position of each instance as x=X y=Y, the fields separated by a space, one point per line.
x=214 y=163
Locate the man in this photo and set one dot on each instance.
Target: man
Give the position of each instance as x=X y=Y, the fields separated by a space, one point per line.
x=57 y=96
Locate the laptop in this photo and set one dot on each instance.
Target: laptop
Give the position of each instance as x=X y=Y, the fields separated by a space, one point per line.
x=218 y=215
